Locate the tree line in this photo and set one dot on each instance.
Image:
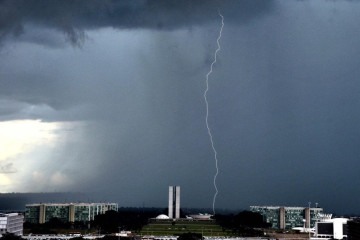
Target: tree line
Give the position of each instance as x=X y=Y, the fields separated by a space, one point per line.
x=245 y=223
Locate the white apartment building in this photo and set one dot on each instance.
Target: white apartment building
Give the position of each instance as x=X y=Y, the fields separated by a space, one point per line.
x=11 y=223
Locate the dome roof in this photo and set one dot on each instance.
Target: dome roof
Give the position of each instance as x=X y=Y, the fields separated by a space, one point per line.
x=162 y=216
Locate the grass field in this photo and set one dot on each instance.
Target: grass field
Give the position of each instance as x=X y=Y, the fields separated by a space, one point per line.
x=168 y=228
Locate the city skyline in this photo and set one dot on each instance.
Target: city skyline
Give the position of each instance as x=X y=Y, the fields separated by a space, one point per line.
x=106 y=98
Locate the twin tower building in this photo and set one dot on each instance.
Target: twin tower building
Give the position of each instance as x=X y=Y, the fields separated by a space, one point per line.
x=174 y=202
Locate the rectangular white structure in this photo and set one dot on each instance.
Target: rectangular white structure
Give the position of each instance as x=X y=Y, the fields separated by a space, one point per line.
x=177 y=202
x=171 y=202
x=11 y=223
x=339 y=227
x=174 y=202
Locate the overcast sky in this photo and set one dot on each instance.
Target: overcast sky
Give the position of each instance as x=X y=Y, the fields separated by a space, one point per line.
x=106 y=97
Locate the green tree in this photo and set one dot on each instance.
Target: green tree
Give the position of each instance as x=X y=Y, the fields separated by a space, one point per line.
x=131 y=219
x=56 y=223
x=108 y=222
x=250 y=219
x=190 y=236
x=243 y=223
x=10 y=236
x=77 y=238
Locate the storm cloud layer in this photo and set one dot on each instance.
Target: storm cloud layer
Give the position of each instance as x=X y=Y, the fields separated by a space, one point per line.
x=74 y=17
x=120 y=85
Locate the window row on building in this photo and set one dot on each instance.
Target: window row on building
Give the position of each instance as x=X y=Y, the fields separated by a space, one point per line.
x=288 y=217
x=11 y=223
x=66 y=212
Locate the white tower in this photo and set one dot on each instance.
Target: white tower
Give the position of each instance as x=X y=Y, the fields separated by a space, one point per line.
x=174 y=202
x=171 y=201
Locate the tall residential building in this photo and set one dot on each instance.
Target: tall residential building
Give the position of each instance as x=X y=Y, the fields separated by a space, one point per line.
x=66 y=212
x=11 y=223
x=174 y=202
x=288 y=217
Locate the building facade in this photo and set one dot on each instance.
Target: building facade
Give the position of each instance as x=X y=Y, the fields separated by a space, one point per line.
x=11 y=223
x=66 y=212
x=328 y=228
x=174 y=202
x=288 y=217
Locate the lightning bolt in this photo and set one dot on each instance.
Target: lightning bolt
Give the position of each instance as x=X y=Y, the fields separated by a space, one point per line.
x=207 y=111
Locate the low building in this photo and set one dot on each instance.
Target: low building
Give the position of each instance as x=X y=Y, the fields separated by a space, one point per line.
x=11 y=223
x=330 y=228
x=66 y=212
x=288 y=217
x=200 y=216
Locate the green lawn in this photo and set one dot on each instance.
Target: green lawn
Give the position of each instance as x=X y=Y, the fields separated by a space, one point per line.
x=169 y=228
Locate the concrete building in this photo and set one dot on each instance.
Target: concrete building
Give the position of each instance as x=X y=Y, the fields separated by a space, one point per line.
x=330 y=228
x=174 y=202
x=66 y=212
x=11 y=223
x=288 y=217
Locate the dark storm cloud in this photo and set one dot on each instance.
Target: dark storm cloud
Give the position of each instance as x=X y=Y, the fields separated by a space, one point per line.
x=284 y=105
x=297 y=107
x=75 y=17
x=37 y=22
x=9 y=107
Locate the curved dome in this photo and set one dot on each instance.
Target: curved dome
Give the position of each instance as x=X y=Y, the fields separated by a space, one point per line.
x=162 y=216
